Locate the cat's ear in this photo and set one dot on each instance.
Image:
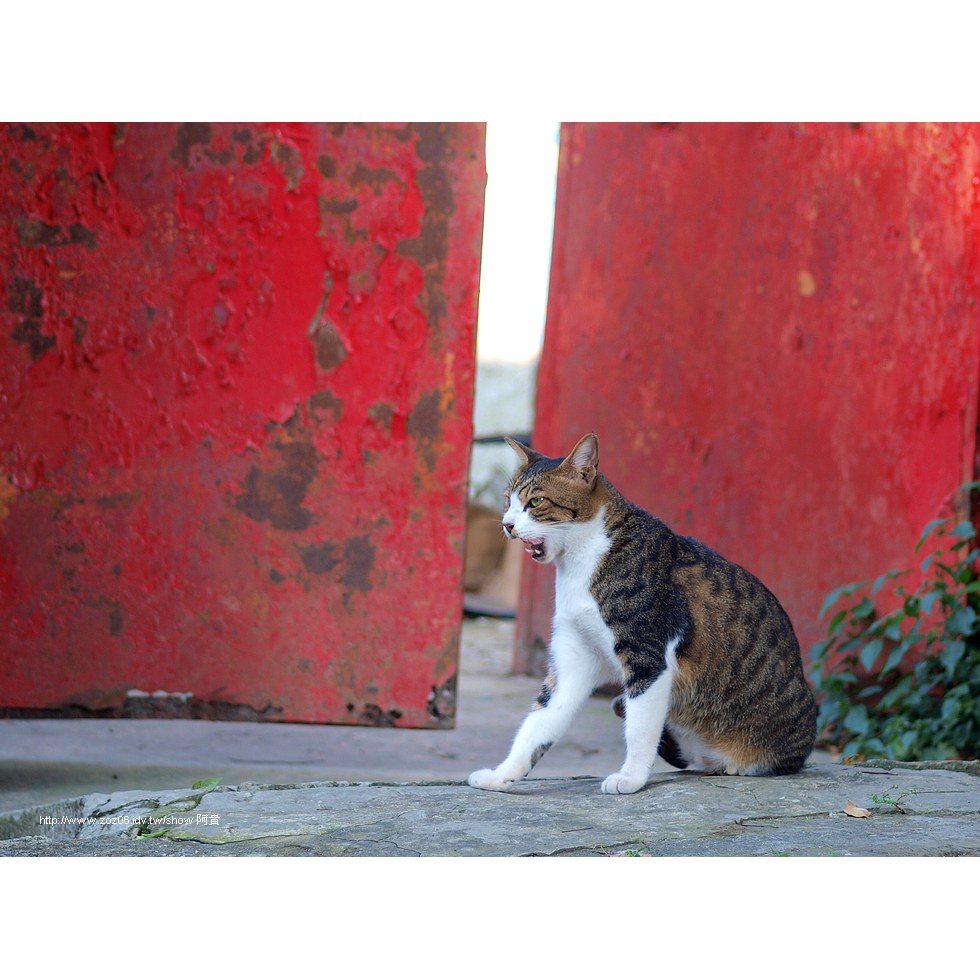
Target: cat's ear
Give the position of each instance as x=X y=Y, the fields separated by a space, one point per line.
x=526 y=455
x=583 y=460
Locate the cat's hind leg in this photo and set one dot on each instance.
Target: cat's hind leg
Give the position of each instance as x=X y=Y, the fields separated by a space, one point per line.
x=576 y=674
x=670 y=758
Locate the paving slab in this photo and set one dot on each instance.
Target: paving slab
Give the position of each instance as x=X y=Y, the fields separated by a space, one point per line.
x=911 y=812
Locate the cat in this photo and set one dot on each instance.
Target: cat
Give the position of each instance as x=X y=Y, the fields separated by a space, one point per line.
x=710 y=666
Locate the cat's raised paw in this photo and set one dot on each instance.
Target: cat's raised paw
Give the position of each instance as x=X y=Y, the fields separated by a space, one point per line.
x=488 y=779
x=620 y=782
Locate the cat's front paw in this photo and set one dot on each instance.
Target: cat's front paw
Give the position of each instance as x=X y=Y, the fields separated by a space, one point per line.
x=621 y=782
x=488 y=779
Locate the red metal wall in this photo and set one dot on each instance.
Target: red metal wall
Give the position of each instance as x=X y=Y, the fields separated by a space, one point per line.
x=236 y=371
x=773 y=330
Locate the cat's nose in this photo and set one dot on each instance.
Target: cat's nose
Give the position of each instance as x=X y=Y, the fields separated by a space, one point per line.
x=509 y=528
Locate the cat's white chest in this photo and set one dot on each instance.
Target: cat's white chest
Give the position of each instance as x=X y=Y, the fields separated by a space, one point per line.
x=576 y=609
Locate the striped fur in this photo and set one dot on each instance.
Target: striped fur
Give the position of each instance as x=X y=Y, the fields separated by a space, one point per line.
x=710 y=666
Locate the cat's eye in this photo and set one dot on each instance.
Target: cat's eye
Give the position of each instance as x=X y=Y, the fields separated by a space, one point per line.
x=535 y=502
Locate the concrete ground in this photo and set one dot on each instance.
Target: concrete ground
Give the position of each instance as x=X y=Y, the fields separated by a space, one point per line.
x=106 y=788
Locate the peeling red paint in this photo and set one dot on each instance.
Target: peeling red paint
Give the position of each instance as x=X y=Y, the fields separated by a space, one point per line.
x=773 y=329
x=236 y=370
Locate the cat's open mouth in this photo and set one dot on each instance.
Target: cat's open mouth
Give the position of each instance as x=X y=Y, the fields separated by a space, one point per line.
x=534 y=547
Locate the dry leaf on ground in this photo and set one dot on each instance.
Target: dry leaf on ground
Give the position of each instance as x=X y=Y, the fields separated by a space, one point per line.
x=856 y=811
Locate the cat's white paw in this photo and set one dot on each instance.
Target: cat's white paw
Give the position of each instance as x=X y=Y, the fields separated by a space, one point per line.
x=488 y=779
x=620 y=782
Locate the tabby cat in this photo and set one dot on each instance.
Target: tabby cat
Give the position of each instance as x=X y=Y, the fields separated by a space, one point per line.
x=710 y=667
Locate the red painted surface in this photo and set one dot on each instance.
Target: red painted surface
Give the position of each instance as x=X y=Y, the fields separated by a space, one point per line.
x=774 y=331
x=236 y=371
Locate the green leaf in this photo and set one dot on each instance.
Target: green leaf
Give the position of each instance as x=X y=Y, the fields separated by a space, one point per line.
x=882 y=579
x=836 y=621
x=897 y=693
x=893 y=631
x=869 y=654
x=829 y=711
x=906 y=739
x=964 y=530
x=927 y=561
x=951 y=655
x=857 y=719
x=894 y=658
x=207 y=784
x=863 y=609
x=927 y=601
x=835 y=594
x=928 y=529
x=950 y=708
x=963 y=621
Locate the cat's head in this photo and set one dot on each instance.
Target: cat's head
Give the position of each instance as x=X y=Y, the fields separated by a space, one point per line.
x=548 y=497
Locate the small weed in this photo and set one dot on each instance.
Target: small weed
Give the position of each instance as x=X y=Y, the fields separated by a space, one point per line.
x=207 y=784
x=886 y=799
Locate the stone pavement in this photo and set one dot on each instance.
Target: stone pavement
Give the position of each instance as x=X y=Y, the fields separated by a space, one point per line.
x=101 y=788
x=924 y=812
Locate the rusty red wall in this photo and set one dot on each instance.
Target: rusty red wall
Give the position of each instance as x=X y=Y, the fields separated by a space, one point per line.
x=236 y=371
x=774 y=331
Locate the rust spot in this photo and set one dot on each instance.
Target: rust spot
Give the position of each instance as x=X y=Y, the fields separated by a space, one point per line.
x=24 y=133
x=329 y=346
x=327 y=166
x=198 y=708
x=27 y=300
x=115 y=619
x=289 y=161
x=277 y=496
x=382 y=413
x=359 y=558
x=372 y=714
x=190 y=135
x=118 y=500
x=97 y=700
x=330 y=206
x=253 y=152
x=319 y=558
x=374 y=177
x=114 y=702
x=431 y=247
x=8 y=493
x=441 y=703
x=425 y=426
x=39 y=234
x=326 y=406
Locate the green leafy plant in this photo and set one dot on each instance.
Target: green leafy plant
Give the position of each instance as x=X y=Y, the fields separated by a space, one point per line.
x=906 y=684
